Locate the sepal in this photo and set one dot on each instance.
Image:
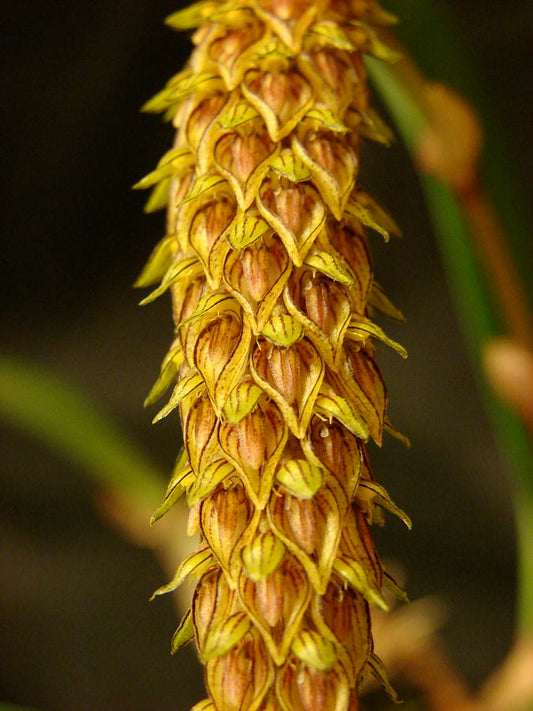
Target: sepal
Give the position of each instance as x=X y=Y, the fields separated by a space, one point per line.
x=184 y=634
x=355 y=574
x=313 y=650
x=195 y=565
x=225 y=635
x=364 y=208
x=191 y=17
x=300 y=478
x=262 y=556
x=158 y=262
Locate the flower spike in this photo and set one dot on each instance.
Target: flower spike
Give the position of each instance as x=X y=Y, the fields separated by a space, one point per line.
x=267 y=261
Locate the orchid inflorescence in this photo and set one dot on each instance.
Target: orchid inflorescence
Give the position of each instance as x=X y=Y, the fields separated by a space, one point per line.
x=267 y=261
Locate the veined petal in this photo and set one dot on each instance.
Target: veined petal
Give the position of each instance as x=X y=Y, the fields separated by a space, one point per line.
x=211 y=477
x=225 y=635
x=313 y=650
x=344 y=613
x=224 y=517
x=254 y=446
x=221 y=354
x=302 y=687
x=300 y=478
x=262 y=556
x=241 y=678
x=295 y=212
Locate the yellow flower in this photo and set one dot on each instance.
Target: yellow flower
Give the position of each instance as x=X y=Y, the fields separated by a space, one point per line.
x=267 y=261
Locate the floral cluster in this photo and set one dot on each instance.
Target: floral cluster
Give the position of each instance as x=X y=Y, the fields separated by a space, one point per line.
x=267 y=262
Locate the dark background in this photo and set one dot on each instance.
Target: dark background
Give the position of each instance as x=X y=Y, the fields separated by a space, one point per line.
x=76 y=631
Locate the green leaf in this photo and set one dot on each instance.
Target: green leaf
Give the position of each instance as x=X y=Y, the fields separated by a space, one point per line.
x=382 y=498
x=169 y=370
x=204 y=705
x=379 y=672
x=185 y=268
x=185 y=387
x=210 y=302
x=379 y=300
x=175 y=489
x=375 y=45
x=364 y=208
x=393 y=587
x=330 y=404
x=158 y=197
x=374 y=128
x=171 y=164
x=177 y=89
x=367 y=328
x=201 y=185
x=216 y=472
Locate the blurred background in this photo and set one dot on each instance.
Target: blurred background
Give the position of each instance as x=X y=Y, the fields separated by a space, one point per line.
x=76 y=629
